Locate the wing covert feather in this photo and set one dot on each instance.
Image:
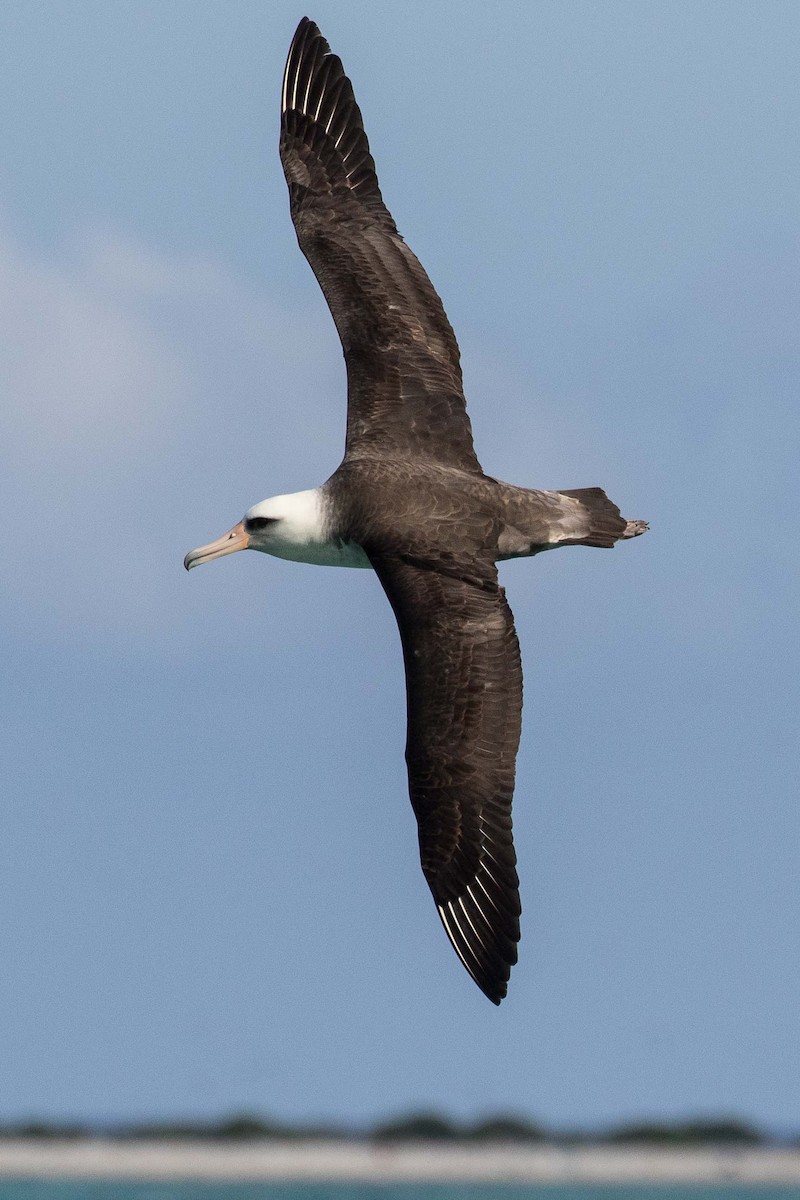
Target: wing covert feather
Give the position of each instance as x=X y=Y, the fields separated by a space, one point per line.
x=405 y=395
x=464 y=695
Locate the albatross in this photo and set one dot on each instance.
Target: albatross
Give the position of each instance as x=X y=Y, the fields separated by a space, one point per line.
x=411 y=502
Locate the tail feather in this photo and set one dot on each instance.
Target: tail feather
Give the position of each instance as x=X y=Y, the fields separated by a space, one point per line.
x=606 y=524
x=536 y=520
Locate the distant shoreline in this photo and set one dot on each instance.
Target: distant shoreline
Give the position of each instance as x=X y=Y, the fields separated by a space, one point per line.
x=364 y=1162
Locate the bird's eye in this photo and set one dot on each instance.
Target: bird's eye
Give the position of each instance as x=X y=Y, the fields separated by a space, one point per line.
x=253 y=523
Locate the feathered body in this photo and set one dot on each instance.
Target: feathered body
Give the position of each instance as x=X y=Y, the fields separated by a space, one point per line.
x=411 y=501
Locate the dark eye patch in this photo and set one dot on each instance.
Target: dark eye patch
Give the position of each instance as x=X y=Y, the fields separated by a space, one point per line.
x=259 y=523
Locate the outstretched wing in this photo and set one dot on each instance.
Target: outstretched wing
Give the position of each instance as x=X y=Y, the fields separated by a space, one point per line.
x=405 y=396
x=464 y=690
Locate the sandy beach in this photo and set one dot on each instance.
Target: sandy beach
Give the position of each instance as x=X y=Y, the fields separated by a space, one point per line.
x=361 y=1162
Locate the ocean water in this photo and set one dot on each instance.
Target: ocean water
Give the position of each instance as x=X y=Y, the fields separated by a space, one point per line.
x=55 y=1189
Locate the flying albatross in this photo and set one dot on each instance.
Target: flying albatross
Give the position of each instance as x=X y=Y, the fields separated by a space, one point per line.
x=411 y=501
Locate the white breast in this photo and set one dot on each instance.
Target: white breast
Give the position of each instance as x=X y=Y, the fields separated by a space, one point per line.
x=322 y=554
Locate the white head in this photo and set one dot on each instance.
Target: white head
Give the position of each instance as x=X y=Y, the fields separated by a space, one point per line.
x=279 y=525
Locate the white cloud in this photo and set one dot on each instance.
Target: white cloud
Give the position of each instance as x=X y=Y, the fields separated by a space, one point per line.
x=82 y=375
x=134 y=418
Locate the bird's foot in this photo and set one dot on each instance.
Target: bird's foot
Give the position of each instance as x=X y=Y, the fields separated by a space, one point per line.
x=634 y=528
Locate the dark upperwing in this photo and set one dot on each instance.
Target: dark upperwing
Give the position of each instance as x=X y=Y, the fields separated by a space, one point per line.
x=464 y=693
x=405 y=396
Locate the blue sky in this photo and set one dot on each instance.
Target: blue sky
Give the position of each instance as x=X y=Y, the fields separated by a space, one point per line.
x=211 y=897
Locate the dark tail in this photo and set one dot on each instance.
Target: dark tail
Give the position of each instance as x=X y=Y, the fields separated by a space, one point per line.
x=606 y=525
